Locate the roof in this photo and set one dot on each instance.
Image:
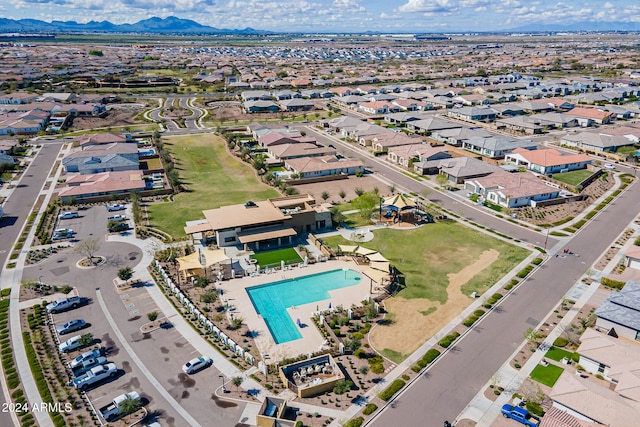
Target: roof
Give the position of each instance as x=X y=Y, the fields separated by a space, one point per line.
x=556 y=417
x=622 y=307
x=321 y=163
x=589 y=113
x=434 y=123
x=103 y=183
x=514 y=185
x=466 y=166
x=501 y=143
x=262 y=234
x=598 y=139
x=551 y=157
x=234 y=216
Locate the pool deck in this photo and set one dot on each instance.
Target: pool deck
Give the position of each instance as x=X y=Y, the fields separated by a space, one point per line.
x=311 y=341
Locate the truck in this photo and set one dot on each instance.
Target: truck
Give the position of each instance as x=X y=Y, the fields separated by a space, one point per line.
x=95 y=375
x=84 y=356
x=88 y=363
x=111 y=411
x=520 y=414
x=63 y=304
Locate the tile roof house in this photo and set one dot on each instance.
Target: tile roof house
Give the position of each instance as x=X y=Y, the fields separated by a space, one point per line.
x=474 y=113
x=556 y=417
x=525 y=124
x=555 y=120
x=548 y=161
x=102 y=138
x=584 y=115
x=300 y=149
x=431 y=124
x=260 y=106
x=511 y=190
x=620 y=312
x=385 y=140
x=457 y=136
x=378 y=107
x=103 y=158
x=595 y=141
x=102 y=184
x=632 y=257
x=496 y=147
x=310 y=167
x=459 y=169
x=422 y=152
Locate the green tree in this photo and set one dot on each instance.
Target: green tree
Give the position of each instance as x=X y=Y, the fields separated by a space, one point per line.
x=86 y=339
x=209 y=297
x=202 y=282
x=237 y=381
x=532 y=336
x=125 y=273
x=324 y=195
x=342 y=194
x=152 y=316
x=129 y=406
x=236 y=323
x=88 y=248
x=342 y=386
x=442 y=179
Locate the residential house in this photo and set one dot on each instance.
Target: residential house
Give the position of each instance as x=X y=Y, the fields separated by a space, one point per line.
x=483 y=114
x=548 y=161
x=509 y=109
x=316 y=94
x=496 y=147
x=260 y=107
x=86 y=186
x=276 y=138
x=459 y=169
x=593 y=141
x=265 y=224
x=286 y=94
x=311 y=167
x=256 y=95
x=558 y=104
x=587 y=116
x=472 y=99
x=18 y=98
x=632 y=257
x=402 y=118
x=103 y=138
x=300 y=149
x=297 y=104
x=410 y=104
x=103 y=158
x=342 y=122
x=555 y=120
x=431 y=125
x=342 y=91
x=378 y=107
x=384 y=141
x=520 y=124
x=406 y=154
x=619 y=314
x=615 y=359
x=511 y=190
x=350 y=100
x=457 y=136
x=23 y=123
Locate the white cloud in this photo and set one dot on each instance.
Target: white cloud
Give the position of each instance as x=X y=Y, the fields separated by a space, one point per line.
x=348 y=5
x=428 y=6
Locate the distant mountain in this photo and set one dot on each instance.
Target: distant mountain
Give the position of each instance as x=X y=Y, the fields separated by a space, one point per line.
x=169 y=25
x=580 y=26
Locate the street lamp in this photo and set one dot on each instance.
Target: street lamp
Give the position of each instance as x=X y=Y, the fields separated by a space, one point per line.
x=224 y=390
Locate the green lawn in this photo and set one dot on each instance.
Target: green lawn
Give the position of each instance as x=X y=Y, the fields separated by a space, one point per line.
x=547 y=375
x=273 y=258
x=573 y=177
x=425 y=256
x=557 y=354
x=213 y=178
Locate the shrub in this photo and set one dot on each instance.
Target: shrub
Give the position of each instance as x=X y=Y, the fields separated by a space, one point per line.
x=356 y=422
x=370 y=409
x=446 y=341
x=575 y=357
x=535 y=409
x=469 y=321
x=524 y=272
x=360 y=353
x=478 y=313
x=390 y=391
x=615 y=284
x=299 y=424
x=416 y=368
x=561 y=342
x=406 y=377
x=430 y=355
x=536 y=261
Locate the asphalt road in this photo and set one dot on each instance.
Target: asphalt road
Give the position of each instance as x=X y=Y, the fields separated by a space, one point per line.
x=17 y=209
x=445 y=390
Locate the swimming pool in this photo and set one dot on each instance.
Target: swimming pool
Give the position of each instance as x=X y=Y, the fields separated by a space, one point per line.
x=272 y=299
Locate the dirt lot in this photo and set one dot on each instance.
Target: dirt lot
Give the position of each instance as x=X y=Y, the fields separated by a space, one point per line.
x=116 y=116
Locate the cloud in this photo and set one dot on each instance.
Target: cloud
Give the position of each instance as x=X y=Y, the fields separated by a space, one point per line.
x=348 y=5
x=428 y=6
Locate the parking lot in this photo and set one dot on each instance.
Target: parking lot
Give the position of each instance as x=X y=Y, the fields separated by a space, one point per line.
x=91 y=221
x=150 y=363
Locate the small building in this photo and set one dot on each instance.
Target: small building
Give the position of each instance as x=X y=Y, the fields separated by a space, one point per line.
x=312 y=376
x=511 y=190
x=483 y=114
x=548 y=161
x=312 y=167
x=459 y=169
x=260 y=106
x=80 y=187
x=274 y=412
x=496 y=147
x=595 y=141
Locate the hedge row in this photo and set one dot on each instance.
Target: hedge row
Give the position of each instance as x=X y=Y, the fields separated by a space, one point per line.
x=428 y=357
x=370 y=409
x=446 y=341
x=525 y=271
x=615 y=284
x=356 y=422
x=537 y=261
x=38 y=376
x=390 y=391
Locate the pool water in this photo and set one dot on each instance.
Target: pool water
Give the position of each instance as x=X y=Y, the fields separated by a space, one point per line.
x=272 y=299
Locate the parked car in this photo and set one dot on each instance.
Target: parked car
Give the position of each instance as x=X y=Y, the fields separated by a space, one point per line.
x=64 y=231
x=70 y=344
x=118 y=227
x=89 y=364
x=63 y=304
x=112 y=410
x=83 y=357
x=68 y=215
x=116 y=207
x=71 y=326
x=520 y=414
x=62 y=236
x=196 y=364
x=94 y=375
x=609 y=166
x=117 y=218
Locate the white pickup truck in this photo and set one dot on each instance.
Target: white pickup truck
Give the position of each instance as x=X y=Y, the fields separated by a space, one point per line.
x=88 y=364
x=95 y=375
x=111 y=411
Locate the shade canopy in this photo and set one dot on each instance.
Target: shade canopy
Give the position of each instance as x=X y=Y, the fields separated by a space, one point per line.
x=376 y=275
x=347 y=249
x=380 y=265
x=377 y=257
x=214 y=256
x=400 y=201
x=365 y=251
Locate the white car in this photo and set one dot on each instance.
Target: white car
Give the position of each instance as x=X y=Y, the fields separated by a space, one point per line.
x=116 y=207
x=196 y=364
x=68 y=215
x=70 y=344
x=117 y=218
x=609 y=166
x=84 y=356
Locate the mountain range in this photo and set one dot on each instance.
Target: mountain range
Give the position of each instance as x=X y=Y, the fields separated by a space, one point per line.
x=169 y=25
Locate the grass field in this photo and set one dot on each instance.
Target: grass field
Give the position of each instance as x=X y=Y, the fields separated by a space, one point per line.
x=426 y=255
x=557 y=354
x=213 y=178
x=573 y=177
x=547 y=375
x=273 y=258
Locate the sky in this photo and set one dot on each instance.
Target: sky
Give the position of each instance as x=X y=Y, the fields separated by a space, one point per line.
x=335 y=15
